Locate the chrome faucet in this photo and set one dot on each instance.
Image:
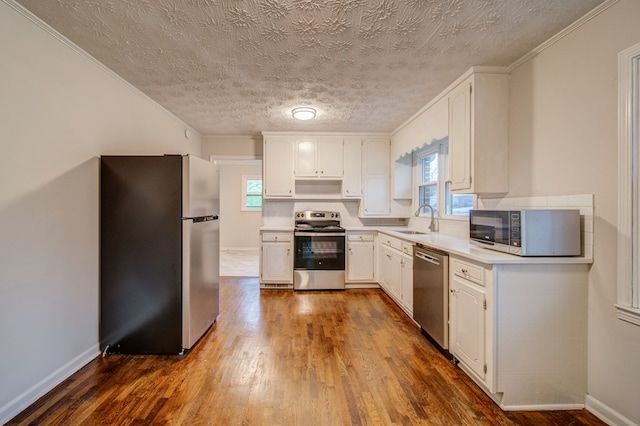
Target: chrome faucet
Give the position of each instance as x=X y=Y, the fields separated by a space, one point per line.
x=432 y=225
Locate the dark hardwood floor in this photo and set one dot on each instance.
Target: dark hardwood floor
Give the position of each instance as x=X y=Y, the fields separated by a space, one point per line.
x=287 y=358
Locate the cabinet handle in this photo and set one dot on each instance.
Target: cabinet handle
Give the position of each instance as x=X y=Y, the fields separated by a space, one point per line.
x=275 y=238
x=389 y=256
x=347 y=191
x=288 y=250
x=465 y=271
x=289 y=191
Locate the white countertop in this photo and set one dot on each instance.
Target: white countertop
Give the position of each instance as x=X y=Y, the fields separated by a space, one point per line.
x=454 y=245
x=462 y=247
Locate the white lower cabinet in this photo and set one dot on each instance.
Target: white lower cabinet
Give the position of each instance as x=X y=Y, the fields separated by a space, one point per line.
x=407 y=278
x=395 y=270
x=360 y=257
x=467 y=324
x=276 y=260
x=520 y=330
x=390 y=266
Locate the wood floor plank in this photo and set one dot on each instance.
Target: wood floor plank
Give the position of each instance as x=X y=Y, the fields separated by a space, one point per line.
x=280 y=357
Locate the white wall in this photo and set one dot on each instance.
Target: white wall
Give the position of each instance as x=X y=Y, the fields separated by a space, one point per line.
x=232 y=146
x=564 y=141
x=59 y=111
x=238 y=229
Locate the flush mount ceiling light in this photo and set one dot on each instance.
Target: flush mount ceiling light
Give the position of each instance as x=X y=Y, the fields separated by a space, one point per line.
x=303 y=113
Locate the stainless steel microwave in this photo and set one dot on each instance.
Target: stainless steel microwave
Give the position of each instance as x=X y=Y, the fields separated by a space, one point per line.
x=527 y=232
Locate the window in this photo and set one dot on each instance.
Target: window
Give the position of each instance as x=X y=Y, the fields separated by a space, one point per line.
x=428 y=184
x=251 y=193
x=628 y=185
x=431 y=168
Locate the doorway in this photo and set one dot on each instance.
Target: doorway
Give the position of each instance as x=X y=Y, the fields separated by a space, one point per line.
x=240 y=215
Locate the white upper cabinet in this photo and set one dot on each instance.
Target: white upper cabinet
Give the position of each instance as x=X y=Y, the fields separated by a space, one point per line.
x=460 y=137
x=319 y=157
x=375 y=177
x=329 y=166
x=478 y=133
x=330 y=152
x=305 y=156
x=278 y=167
x=352 y=181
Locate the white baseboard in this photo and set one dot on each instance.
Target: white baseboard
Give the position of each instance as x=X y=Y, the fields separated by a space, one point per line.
x=542 y=407
x=606 y=413
x=361 y=285
x=31 y=395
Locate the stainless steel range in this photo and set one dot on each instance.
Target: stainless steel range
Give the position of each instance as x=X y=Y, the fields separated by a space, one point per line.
x=319 y=243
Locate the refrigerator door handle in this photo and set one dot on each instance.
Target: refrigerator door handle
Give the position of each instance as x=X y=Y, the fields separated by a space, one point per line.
x=202 y=218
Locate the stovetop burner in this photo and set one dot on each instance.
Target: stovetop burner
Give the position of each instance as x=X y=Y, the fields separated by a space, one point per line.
x=318 y=221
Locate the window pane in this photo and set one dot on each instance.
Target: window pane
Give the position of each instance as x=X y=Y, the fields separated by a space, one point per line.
x=254 y=201
x=458 y=204
x=252 y=196
x=430 y=168
x=254 y=186
x=429 y=194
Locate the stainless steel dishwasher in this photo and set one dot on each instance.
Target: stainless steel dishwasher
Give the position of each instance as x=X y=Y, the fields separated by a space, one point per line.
x=431 y=293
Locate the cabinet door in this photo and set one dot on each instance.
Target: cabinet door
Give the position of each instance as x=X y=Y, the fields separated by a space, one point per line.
x=407 y=283
x=352 y=183
x=467 y=326
x=376 y=157
x=391 y=272
x=376 y=200
x=329 y=151
x=460 y=137
x=360 y=262
x=376 y=196
x=306 y=159
x=276 y=263
x=278 y=167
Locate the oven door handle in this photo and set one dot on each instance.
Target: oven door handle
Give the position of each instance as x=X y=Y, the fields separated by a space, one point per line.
x=318 y=234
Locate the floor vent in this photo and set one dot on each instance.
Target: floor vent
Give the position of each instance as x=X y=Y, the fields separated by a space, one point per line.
x=275 y=286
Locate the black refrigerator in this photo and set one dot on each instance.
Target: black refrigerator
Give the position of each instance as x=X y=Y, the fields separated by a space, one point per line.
x=159 y=252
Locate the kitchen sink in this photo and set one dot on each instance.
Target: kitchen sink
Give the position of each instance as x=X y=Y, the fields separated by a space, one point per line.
x=412 y=232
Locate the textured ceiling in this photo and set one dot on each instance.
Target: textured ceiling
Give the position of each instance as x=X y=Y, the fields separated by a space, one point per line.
x=239 y=66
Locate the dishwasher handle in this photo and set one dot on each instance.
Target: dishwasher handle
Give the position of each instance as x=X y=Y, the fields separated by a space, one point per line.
x=424 y=256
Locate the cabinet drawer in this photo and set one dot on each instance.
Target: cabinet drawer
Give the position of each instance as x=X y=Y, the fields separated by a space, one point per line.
x=359 y=236
x=468 y=271
x=391 y=242
x=276 y=236
x=407 y=248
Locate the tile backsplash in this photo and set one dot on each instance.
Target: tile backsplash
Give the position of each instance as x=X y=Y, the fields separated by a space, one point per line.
x=280 y=213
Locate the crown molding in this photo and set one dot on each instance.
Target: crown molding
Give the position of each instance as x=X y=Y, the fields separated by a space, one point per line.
x=565 y=32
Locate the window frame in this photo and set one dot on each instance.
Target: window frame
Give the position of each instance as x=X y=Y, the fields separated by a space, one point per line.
x=419 y=156
x=628 y=300
x=441 y=147
x=243 y=205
